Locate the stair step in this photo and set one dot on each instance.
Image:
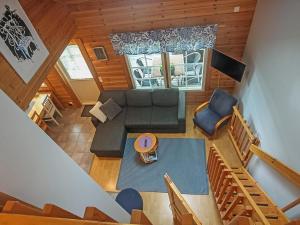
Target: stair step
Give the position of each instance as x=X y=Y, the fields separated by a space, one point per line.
x=15 y=207
x=92 y=213
x=51 y=210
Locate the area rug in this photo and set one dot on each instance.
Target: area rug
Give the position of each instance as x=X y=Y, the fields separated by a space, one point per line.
x=86 y=111
x=182 y=158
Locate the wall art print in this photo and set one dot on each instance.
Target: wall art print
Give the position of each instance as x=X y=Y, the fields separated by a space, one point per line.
x=19 y=42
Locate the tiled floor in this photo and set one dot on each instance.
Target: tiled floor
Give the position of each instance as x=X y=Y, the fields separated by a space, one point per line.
x=74 y=135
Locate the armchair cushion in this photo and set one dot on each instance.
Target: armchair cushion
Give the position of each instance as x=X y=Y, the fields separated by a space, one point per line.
x=207 y=120
x=221 y=103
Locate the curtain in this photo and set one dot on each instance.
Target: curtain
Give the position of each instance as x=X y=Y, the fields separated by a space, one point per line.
x=164 y=40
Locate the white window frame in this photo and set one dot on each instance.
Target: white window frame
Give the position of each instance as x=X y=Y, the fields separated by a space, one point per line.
x=133 y=79
x=88 y=76
x=167 y=73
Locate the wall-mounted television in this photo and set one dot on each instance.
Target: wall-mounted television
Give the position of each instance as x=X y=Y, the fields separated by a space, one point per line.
x=227 y=65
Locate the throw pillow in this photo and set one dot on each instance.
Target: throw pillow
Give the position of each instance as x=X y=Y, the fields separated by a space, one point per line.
x=96 y=112
x=111 y=109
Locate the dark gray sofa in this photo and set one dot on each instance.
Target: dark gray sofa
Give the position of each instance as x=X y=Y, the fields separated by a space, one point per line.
x=160 y=111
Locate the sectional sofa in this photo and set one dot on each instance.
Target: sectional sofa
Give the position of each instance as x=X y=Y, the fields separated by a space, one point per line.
x=159 y=110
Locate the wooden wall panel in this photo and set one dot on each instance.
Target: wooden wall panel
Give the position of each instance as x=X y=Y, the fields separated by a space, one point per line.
x=55 y=27
x=62 y=90
x=96 y=19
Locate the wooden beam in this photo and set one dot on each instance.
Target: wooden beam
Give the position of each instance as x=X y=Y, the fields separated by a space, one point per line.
x=88 y=62
x=283 y=169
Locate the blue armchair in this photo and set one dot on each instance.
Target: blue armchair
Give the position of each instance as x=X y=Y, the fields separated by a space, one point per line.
x=212 y=114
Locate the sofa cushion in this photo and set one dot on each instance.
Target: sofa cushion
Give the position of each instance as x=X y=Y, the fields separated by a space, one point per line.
x=139 y=98
x=165 y=97
x=138 y=117
x=118 y=96
x=97 y=112
x=164 y=117
x=207 y=120
x=221 y=102
x=110 y=137
x=110 y=109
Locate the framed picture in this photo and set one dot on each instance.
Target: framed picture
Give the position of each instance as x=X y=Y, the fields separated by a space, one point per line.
x=100 y=53
x=20 y=44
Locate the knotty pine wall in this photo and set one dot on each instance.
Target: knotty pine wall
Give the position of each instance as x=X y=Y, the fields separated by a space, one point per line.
x=62 y=89
x=96 y=19
x=55 y=27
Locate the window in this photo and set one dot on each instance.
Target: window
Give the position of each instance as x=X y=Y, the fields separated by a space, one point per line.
x=74 y=63
x=185 y=70
x=147 y=71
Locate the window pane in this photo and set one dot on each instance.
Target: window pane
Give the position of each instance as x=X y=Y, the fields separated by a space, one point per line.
x=74 y=63
x=146 y=71
x=186 y=69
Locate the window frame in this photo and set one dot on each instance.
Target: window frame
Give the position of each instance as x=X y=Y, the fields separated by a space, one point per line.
x=62 y=66
x=133 y=80
x=165 y=57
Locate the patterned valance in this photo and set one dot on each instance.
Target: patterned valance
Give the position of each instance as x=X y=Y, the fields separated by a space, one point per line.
x=164 y=40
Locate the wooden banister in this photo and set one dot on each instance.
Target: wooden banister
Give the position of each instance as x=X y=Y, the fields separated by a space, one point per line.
x=16 y=219
x=92 y=213
x=241 y=136
x=51 y=210
x=283 y=169
x=15 y=207
x=291 y=205
x=238 y=194
x=138 y=217
x=182 y=213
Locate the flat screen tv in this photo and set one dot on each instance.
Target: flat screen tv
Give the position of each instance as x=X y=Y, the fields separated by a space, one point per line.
x=227 y=65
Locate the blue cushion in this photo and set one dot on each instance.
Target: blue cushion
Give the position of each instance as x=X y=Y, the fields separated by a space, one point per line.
x=130 y=199
x=221 y=103
x=207 y=120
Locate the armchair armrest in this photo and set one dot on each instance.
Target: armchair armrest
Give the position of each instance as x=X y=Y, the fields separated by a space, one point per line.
x=225 y=118
x=200 y=107
x=181 y=106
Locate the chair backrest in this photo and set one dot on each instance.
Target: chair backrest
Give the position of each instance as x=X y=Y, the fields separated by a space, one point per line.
x=48 y=104
x=138 y=76
x=221 y=102
x=182 y=213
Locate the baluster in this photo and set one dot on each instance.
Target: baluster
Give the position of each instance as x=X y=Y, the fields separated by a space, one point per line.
x=228 y=180
x=228 y=195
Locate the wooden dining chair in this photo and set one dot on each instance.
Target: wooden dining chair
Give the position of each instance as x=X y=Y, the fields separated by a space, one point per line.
x=39 y=121
x=50 y=111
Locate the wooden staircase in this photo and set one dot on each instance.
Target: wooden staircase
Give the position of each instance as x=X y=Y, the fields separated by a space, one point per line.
x=237 y=194
x=21 y=213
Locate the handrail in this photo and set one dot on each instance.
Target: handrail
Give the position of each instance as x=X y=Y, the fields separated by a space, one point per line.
x=291 y=205
x=17 y=219
x=241 y=136
x=283 y=169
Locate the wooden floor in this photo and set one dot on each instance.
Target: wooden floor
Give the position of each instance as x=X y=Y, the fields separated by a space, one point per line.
x=105 y=172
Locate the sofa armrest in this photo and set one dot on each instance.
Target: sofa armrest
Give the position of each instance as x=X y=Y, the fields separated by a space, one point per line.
x=95 y=121
x=181 y=106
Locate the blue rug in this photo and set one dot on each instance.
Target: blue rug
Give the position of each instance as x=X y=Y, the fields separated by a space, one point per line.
x=183 y=159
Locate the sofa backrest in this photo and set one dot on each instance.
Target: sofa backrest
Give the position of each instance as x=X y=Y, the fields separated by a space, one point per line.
x=221 y=102
x=165 y=97
x=118 y=96
x=143 y=98
x=139 y=98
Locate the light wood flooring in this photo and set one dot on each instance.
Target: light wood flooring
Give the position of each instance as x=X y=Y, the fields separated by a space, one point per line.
x=105 y=172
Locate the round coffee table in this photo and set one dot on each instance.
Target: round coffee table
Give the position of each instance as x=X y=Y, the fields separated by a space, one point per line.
x=146 y=145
